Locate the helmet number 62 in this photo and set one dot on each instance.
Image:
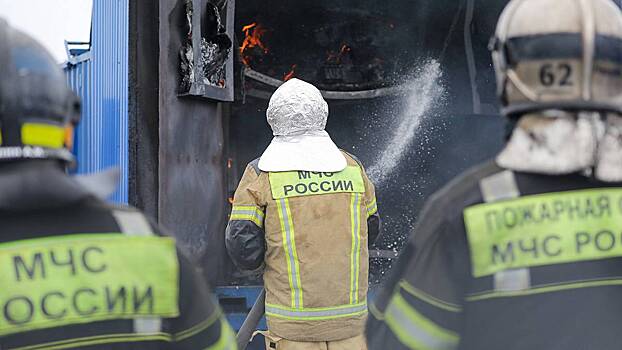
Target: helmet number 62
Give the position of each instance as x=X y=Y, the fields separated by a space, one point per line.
x=558 y=74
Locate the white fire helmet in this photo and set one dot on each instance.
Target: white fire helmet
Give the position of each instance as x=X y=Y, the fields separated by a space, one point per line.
x=297 y=114
x=559 y=54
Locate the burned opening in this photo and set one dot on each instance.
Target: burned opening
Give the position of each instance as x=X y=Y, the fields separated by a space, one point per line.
x=205 y=55
x=401 y=78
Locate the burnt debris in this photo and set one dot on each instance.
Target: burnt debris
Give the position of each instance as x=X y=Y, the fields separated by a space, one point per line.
x=210 y=69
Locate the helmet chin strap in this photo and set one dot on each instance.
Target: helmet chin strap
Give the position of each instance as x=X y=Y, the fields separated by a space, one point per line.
x=29 y=152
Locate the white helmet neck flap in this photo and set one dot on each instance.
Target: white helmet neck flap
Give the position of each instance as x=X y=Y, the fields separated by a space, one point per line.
x=297 y=114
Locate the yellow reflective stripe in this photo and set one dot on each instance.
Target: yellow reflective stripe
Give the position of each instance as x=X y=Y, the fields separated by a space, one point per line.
x=415 y=330
x=198 y=328
x=226 y=340
x=372 y=208
x=315 y=314
x=429 y=299
x=355 y=218
x=547 y=288
x=289 y=245
x=545 y=229
x=293 y=247
x=97 y=340
x=44 y=135
x=86 y=278
x=248 y=212
x=375 y=312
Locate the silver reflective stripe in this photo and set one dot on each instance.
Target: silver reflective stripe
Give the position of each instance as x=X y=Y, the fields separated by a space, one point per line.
x=499 y=186
x=291 y=256
x=512 y=280
x=494 y=188
x=132 y=223
x=356 y=248
x=414 y=331
x=146 y=325
x=310 y=313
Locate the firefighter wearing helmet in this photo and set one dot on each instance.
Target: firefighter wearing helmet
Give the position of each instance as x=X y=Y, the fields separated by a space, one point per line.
x=525 y=252
x=76 y=272
x=306 y=213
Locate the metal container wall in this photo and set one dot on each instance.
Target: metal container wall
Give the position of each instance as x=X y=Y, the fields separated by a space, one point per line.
x=100 y=77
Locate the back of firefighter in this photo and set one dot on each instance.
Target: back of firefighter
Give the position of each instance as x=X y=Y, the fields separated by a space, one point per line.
x=77 y=273
x=525 y=252
x=307 y=212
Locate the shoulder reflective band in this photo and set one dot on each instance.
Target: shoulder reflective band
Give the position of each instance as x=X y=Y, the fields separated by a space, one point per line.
x=56 y=281
x=43 y=135
x=226 y=341
x=545 y=229
x=316 y=314
x=372 y=208
x=306 y=183
x=415 y=330
x=132 y=223
x=248 y=213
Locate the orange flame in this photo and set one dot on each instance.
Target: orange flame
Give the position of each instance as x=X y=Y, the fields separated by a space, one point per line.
x=252 y=38
x=291 y=73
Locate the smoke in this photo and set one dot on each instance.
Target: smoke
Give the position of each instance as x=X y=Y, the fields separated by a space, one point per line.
x=421 y=94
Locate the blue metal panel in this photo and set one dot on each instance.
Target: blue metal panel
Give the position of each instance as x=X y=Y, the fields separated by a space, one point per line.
x=101 y=80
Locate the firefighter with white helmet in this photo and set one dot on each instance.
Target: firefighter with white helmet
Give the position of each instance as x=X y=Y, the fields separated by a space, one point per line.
x=306 y=211
x=76 y=272
x=525 y=252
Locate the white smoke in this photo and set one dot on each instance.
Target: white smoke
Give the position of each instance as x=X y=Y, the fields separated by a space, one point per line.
x=422 y=93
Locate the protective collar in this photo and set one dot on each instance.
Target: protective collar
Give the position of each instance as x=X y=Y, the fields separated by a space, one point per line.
x=558 y=143
x=42 y=184
x=32 y=185
x=311 y=151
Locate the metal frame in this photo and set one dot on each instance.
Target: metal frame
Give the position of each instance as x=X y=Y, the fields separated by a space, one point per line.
x=329 y=95
x=208 y=91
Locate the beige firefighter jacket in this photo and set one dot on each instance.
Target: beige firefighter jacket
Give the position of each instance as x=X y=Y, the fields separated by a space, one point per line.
x=316 y=247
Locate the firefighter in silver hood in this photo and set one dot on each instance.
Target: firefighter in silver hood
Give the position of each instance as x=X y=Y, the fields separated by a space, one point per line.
x=306 y=212
x=525 y=251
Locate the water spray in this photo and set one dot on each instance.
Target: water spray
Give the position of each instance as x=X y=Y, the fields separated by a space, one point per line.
x=422 y=93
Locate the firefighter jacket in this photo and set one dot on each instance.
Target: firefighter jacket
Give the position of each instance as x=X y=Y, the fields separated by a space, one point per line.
x=311 y=231
x=508 y=260
x=77 y=273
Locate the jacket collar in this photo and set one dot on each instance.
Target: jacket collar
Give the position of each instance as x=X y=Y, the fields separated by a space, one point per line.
x=35 y=185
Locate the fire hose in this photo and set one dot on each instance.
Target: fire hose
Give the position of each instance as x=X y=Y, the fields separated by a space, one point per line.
x=257 y=311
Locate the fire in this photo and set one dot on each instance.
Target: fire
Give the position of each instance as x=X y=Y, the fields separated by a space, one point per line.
x=336 y=57
x=252 y=38
x=291 y=73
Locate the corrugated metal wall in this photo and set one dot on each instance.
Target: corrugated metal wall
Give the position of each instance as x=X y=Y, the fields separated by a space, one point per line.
x=101 y=80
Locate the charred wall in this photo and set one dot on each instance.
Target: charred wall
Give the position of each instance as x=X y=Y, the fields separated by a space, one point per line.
x=191 y=165
x=143 y=106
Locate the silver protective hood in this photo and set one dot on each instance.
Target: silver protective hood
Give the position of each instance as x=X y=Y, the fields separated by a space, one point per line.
x=297 y=114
